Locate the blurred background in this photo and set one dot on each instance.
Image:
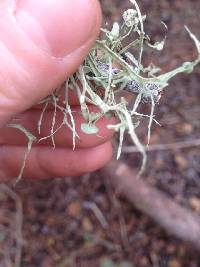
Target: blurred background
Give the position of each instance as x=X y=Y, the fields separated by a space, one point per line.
x=81 y=222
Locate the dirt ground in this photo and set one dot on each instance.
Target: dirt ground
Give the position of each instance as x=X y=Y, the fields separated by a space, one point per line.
x=79 y=222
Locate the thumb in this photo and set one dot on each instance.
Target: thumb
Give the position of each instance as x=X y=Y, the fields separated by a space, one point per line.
x=41 y=44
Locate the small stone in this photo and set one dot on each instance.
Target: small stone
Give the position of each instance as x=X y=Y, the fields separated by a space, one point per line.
x=195 y=203
x=174 y=263
x=159 y=163
x=87 y=225
x=74 y=209
x=185 y=128
x=181 y=161
x=144 y=261
x=171 y=249
x=50 y=242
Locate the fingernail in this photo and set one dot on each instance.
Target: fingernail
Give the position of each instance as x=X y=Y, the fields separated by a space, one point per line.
x=58 y=26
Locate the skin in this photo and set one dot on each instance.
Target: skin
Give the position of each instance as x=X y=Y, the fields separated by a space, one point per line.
x=41 y=44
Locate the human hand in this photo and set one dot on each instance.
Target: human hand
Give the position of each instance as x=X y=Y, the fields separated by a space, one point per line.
x=41 y=44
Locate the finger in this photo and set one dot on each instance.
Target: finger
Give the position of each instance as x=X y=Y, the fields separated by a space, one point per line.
x=63 y=137
x=73 y=99
x=42 y=43
x=43 y=162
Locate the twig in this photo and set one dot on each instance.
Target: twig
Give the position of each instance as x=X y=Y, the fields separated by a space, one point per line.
x=121 y=218
x=107 y=244
x=180 y=222
x=31 y=139
x=18 y=222
x=161 y=147
x=97 y=212
x=69 y=261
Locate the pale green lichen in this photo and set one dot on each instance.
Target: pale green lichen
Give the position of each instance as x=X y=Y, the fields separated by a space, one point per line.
x=31 y=139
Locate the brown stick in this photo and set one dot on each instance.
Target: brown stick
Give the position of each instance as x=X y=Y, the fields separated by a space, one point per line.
x=161 y=147
x=176 y=220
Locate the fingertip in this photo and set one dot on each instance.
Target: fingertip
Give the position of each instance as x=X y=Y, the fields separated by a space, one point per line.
x=61 y=26
x=104 y=154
